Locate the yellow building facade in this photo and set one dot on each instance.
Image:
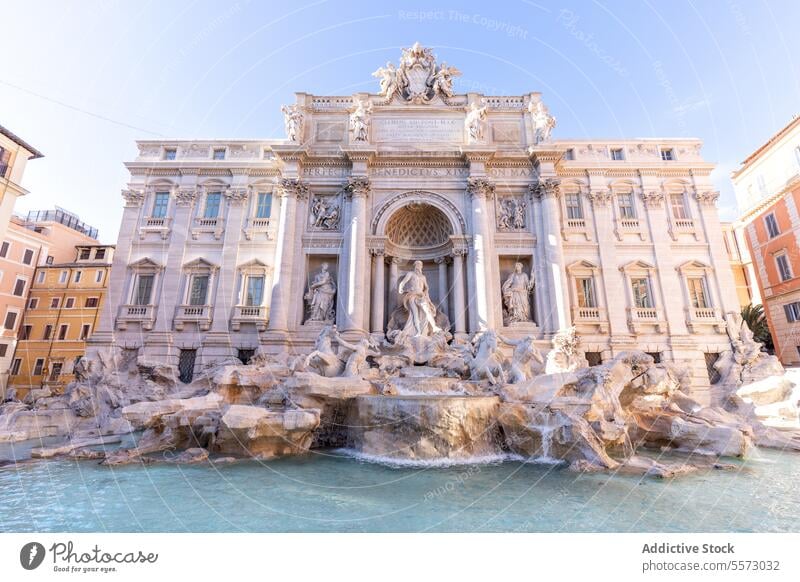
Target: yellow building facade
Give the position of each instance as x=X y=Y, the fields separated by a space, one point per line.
x=62 y=312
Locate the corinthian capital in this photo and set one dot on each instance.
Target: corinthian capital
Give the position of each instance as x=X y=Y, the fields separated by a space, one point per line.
x=185 y=197
x=600 y=197
x=293 y=187
x=707 y=198
x=358 y=186
x=133 y=197
x=237 y=196
x=481 y=187
x=653 y=199
x=547 y=188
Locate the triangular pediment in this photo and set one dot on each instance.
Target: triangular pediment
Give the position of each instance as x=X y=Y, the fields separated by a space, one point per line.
x=145 y=263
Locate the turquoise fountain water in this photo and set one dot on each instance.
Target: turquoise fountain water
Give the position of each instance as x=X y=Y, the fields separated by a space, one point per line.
x=334 y=492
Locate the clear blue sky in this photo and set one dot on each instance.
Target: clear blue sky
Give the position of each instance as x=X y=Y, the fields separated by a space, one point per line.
x=82 y=80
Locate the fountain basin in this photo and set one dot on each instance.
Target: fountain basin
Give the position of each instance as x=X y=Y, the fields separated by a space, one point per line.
x=425 y=427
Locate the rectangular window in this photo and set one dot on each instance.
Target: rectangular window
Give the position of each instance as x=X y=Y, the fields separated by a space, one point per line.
x=797 y=155
x=170 y=154
x=77 y=277
x=11 y=320
x=25 y=332
x=617 y=154
x=772 y=225
x=626 y=208
x=62 y=331
x=98 y=276
x=5 y=161
x=569 y=154
x=100 y=254
x=92 y=301
x=762 y=184
x=33 y=303
x=62 y=276
x=585 y=290
x=219 y=153
x=678 y=204
x=574 y=208
x=38 y=367
x=144 y=289
x=783 y=267
x=4 y=249
x=212 y=205
x=69 y=303
x=27 y=257
x=85 y=254
x=55 y=371
x=4 y=350
x=792 y=311
x=50 y=259
x=19 y=288
x=698 y=294
x=55 y=302
x=16 y=366
x=667 y=155
x=255 y=291
x=160 y=205
x=48 y=332
x=264 y=205
x=85 y=329
x=41 y=276
x=198 y=290
x=641 y=292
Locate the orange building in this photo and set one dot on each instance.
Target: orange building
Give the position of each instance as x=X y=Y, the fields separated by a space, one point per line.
x=768 y=190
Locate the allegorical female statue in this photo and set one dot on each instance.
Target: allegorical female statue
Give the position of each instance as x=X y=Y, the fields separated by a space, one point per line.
x=516 y=295
x=413 y=290
x=320 y=296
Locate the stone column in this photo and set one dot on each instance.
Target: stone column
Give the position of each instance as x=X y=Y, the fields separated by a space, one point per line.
x=378 y=291
x=357 y=189
x=289 y=191
x=481 y=189
x=548 y=192
x=459 y=307
x=443 y=303
x=394 y=281
x=723 y=279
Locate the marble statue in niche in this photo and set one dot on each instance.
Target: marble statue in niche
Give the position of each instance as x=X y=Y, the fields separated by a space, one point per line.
x=516 y=291
x=414 y=296
x=320 y=297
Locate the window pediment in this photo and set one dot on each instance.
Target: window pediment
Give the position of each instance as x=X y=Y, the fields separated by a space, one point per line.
x=146 y=264
x=637 y=266
x=200 y=265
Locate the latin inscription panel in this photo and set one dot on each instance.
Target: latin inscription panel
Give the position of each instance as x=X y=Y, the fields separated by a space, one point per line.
x=406 y=130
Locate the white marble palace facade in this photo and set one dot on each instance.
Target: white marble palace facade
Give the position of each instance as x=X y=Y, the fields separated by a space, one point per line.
x=221 y=242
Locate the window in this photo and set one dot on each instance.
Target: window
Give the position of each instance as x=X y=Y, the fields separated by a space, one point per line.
x=41 y=276
x=264 y=205
x=5 y=161
x=25 y=332
x=713 y=374
x=784 y=270
x=4 y=249
x=198 y=290
x=569 y=154
x=667 y=155
x=772 y=225
x=92 y=301
x=27 y=257
x=212 y=205
x=762 y=184
x=85 y=253
x=11 y=320
x=698 y=293
x=585 y=290
x=678 y=204
x=19 y=288
x=85 y=329
x=219 y=153
x=69 y=303
x=641 y=292
x=626 y=208
x=160 y=205
x=792 y=311
x=38 y=367
x=100 y=254
x=617 y=154
x=62 y=331
x=574 y=208
x=55 y=372
x=48 y=332
x=4 y=349
x=77 y=277
x=170 y=153
x=797 y=155
x=144 y=289
x=98 y=276
x=16 y=366
x=62 y=276
x=33 y=303
x=255 y=291
x=55 y=302
x=50 y=259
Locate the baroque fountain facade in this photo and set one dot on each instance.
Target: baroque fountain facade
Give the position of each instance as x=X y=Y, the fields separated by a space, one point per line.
x=447 y=282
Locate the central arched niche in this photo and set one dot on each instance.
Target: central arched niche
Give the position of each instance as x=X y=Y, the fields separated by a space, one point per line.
x=418 y=230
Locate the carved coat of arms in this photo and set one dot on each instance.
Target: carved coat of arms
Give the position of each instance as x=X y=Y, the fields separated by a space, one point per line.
x=418 y=79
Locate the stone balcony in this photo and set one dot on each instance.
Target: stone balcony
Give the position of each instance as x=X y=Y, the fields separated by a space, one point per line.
x=644 y=319
x=199 y=314
x=214 y=226
x=257 y=314
x=161 y=225
x=575 y=226
x=632 y=226
x=144 y=315
x=679 y=226
x=595 y=318
x=698 y=319
x=259 y=226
